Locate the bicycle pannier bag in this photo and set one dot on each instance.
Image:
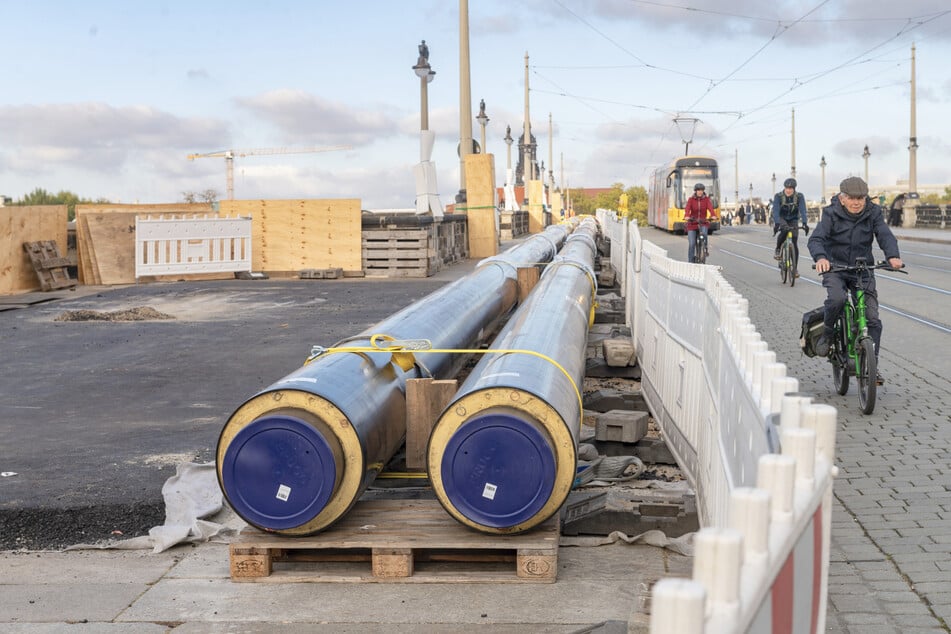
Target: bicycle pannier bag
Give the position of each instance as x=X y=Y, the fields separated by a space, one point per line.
x=812 y=327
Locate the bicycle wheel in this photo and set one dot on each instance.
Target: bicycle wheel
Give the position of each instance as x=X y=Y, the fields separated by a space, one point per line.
x=840 y=362
x=701 y=249
x=783 y=270
x=793 y=265
x=867 y=372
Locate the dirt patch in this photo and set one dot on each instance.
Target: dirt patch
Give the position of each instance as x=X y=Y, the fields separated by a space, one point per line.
x=139 y=313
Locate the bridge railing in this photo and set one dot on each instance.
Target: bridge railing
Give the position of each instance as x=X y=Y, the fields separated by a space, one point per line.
x=759 y=454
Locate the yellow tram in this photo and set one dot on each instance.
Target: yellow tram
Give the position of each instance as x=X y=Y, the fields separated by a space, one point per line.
x=671 y=186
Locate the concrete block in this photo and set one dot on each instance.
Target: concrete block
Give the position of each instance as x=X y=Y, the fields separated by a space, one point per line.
x=607 y=399
x=618 y=352
x=607 y=277
x=621 y=426
x=321 y=274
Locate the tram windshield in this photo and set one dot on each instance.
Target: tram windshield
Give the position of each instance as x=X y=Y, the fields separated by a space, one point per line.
x=690 y=176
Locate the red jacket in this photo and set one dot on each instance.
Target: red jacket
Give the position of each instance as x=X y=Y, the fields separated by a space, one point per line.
x=698 y=211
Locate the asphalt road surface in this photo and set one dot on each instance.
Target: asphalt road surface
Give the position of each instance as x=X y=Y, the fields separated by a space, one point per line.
x=94 y=415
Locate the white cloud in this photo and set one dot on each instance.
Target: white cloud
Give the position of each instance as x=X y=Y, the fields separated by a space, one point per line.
x=305 y=118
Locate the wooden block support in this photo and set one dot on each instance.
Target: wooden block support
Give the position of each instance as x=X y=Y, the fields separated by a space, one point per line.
x=536 y=564
x=425 y=401
x=392 y=562
x=527 y=279
x=250 y=562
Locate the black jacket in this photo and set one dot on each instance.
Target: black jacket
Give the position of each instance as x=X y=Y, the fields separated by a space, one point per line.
x=841 y=237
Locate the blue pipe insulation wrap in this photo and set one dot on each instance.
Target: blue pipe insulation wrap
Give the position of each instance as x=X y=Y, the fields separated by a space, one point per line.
x=295 y=457
x=503 y=455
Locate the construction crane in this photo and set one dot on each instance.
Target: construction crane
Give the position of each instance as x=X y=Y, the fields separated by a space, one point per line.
x=229 y=156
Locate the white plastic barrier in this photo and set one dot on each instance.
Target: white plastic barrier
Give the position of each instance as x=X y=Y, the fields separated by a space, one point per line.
x=175 y=245
x=719 y=397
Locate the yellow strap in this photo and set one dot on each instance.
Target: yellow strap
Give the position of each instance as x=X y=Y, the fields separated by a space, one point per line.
x=401 y=350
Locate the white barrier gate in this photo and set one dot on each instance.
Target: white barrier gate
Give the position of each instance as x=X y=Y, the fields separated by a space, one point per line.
x=170 y=245
x=760 y=455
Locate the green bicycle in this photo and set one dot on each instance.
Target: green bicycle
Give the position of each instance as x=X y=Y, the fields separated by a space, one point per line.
x=852 y=351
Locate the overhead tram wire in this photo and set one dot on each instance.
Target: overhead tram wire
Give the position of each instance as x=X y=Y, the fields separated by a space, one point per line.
x=776 y=35
x=844 y=64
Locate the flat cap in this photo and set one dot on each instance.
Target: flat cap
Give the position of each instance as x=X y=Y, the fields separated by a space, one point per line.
x=853 y=186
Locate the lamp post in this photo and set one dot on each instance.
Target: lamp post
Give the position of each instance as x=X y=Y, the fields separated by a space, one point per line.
x=865 y=155
x=751 y=203
x=822 y=165
x=508 y=141
x=483 y=119
x=774 y=182
x=426 y=74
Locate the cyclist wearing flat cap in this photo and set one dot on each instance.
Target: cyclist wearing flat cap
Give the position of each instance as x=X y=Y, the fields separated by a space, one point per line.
x=845 y=232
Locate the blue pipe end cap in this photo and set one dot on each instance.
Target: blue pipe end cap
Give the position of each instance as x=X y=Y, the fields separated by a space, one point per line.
x=278 y=472
x=498 y=470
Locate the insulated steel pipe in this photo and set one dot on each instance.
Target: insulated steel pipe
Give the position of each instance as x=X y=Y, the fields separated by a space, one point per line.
x=296 y=456
x=502 y=456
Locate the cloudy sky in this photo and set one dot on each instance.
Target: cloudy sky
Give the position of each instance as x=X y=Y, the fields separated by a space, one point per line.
x=107 y=99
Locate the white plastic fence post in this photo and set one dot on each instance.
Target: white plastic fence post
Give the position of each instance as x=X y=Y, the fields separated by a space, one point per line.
x=718 y=553
x=770 y=372
x=677 y=607
x=822 y=420
x=800 y=443
x=749 y=514
x=760 y=359
x=791 y=410
x=777 y=474
x=779 y=388
x=750 y=343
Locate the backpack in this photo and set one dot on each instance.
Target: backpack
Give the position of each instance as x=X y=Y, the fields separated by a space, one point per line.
x=789 y=209
x=812 y=327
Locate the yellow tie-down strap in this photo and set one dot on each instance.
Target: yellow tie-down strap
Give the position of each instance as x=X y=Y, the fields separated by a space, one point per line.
x=402 y=351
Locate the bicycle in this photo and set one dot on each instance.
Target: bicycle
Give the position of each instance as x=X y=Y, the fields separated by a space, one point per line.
x=788 y=262
x=852 y=351
x=702 y=251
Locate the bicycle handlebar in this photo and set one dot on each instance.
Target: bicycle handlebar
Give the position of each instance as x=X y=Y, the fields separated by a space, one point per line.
x=862 y=266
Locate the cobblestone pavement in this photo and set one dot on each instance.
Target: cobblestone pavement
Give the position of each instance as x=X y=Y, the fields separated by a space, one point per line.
x=891 y=536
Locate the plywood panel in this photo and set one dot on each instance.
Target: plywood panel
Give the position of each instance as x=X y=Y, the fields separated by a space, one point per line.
x=536 y=209
x=113 y=238
x=292 y=235
x=480 y=181
x=27 y=224
x=480 y=205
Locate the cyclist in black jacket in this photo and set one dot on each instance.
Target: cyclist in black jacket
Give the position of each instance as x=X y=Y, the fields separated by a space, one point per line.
x=845 y=232
x=789 y=207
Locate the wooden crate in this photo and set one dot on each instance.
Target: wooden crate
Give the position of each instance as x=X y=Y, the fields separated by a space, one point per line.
x=401 y=541
x=409 y=252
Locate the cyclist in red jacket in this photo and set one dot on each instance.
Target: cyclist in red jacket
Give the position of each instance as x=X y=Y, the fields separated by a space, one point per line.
x=697 y=214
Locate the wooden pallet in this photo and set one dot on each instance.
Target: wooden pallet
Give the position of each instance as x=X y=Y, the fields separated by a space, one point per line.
x=402 y=541
x=50 y=267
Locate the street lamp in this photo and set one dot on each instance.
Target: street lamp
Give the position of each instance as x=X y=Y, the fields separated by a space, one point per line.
x=483 y=119
x=751 y=203
x=426 y=74
x=508 y=141
x=822 y=164
x=774 y=181
x=865 y=155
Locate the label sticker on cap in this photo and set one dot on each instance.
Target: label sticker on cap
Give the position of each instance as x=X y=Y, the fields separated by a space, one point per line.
x=489 y=491
x=283 y=492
